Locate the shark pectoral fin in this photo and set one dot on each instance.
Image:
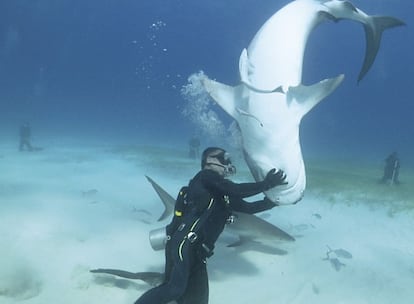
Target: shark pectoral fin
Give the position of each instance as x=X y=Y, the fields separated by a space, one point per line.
x=226 y=96
x=373 y=34
x=309 y=96
x=242 y=240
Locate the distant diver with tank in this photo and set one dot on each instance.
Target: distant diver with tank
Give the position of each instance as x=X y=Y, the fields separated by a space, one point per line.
x=391 y=170
x=25 y=138
x=25 y=134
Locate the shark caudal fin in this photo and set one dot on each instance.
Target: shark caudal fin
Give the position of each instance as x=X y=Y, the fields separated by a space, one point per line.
x=306 y=97
x=373 y=34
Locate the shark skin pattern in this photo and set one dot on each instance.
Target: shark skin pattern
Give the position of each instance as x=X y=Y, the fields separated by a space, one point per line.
x=271 y=100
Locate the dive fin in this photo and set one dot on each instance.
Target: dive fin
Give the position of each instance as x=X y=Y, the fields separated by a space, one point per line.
x=151 y=278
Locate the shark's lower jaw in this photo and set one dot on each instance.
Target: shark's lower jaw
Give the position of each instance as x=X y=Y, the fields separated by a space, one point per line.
x=288 y=197
x=294 y=169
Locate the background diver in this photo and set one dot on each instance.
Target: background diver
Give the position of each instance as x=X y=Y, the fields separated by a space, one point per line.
x=25 y=135
x=391 y=169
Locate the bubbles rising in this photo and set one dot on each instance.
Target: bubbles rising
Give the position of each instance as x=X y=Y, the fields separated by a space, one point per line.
x=198 y=107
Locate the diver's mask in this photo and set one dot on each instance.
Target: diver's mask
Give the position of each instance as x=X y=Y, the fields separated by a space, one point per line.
x=225 y=162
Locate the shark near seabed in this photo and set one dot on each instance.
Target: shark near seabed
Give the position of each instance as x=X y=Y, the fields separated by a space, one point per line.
x=248 y=227
x=271 y=101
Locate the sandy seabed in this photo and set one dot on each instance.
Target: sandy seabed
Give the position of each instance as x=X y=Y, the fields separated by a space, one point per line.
x=66 y=210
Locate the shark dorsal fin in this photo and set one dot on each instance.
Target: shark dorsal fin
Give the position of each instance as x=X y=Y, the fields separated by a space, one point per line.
x=166 y=199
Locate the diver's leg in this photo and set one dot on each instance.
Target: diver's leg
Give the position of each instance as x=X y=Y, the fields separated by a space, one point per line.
x=29 y=145
x=396 y=176
x=168 y=261
x=175 y=286
x=168 y=291
x=197 y=288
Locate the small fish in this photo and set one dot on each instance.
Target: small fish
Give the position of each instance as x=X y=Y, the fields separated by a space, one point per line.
x=89 y=192
x=315 y=288
x=336 y=263
x=301 y=227
x=341 y=253
x=317 y=215
x=134 y=209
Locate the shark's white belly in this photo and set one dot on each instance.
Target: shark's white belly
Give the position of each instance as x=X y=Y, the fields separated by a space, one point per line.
x=271 y=140
x=271 y=101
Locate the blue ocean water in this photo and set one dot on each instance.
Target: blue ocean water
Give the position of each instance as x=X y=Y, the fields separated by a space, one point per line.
x=113 y=70
x=116 y=72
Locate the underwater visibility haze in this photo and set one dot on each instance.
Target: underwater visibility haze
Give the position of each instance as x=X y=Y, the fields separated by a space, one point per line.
x=111 y=90
x=115 y=69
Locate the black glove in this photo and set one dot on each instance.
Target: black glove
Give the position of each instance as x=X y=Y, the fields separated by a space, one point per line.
x=269 y=204
x=275 y=178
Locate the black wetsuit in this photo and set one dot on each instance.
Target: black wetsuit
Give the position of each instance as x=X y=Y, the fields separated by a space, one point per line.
x=391 y=169
x=209 y=201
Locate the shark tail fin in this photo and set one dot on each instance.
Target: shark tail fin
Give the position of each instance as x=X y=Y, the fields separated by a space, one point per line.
x=310 y=96
x=373 y=34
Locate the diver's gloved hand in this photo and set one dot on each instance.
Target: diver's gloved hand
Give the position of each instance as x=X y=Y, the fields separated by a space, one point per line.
x=275 y=178
x=269 y=204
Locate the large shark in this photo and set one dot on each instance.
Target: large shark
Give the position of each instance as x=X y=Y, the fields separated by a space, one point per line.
x=271 y=100
x=247 y=227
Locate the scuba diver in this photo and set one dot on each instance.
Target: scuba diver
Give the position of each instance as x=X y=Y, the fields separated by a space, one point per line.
x=391 y=169
x=201 y=212
x=194 y=146
x=25 y=134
